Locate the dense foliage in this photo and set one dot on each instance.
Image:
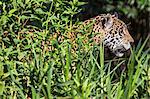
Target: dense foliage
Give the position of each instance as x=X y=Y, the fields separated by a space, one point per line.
x=29 y=69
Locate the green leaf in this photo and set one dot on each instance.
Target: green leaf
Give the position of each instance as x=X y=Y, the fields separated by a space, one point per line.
x=3 y=20
x=12 y=11
x=2 y=87
x=39 y=11
x=85 y=84
x=21 y=55
x=1 y=68
x=77 y=82
x=1 y=3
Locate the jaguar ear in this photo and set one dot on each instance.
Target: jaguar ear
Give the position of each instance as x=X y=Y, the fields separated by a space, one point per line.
x=115 y=15
x=108 y=22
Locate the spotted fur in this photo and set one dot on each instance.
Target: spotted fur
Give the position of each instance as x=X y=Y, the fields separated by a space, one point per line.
x=104 y=28
x=112 y=31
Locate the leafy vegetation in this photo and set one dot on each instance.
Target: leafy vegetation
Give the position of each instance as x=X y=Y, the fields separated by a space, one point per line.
x=29 y=69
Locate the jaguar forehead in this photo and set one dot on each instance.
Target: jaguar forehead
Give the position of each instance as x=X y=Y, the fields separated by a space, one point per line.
x=118 y=22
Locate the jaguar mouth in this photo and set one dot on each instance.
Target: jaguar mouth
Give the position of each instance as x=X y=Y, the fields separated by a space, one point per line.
x=119 y=51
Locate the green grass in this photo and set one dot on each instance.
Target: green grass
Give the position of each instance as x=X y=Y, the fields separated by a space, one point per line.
x=28 y=69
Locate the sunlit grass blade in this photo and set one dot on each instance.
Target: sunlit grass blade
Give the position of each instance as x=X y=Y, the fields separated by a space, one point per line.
x=49 y=81
x=33 y=93
x=102 y=68
x=68 y=62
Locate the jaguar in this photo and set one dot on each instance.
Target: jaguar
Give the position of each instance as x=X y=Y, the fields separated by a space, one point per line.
x=106 y=28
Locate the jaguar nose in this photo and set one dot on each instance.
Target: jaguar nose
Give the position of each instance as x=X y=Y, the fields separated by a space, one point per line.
x=131 y=40
x=127 y=36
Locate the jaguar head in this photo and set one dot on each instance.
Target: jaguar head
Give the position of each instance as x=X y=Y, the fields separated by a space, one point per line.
x=117 y=37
